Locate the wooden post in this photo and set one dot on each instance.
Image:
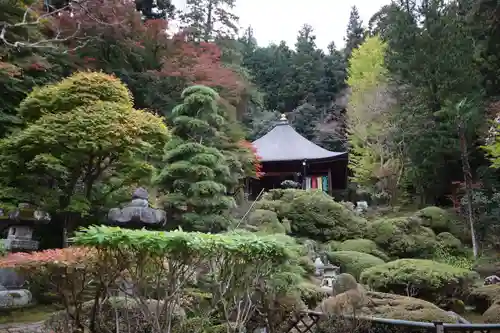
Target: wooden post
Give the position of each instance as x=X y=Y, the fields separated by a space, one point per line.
x=330 y=182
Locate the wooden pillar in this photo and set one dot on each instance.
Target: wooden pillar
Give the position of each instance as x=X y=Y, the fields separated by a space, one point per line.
x=304 y=172
x=330 y=182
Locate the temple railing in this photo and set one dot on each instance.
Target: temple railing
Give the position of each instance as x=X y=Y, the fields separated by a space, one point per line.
x=311 y=321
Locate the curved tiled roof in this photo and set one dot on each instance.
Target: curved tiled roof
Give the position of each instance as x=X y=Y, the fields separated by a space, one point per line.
x=283 y=143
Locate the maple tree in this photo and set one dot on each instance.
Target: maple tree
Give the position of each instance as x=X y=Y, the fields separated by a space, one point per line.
x=256 y=159
x=200 y=64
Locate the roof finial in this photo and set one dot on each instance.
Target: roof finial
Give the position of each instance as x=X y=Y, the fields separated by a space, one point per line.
x=283 y=117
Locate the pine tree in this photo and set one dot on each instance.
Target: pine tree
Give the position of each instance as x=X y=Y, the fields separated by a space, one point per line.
x=196 y=173
x=355 y=33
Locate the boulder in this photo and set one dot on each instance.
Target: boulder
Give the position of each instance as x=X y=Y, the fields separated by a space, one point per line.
x=484 y=297
x=492 y=314
x=13 y=299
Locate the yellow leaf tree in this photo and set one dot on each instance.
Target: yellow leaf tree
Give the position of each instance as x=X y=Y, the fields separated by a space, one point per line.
x=375 y=164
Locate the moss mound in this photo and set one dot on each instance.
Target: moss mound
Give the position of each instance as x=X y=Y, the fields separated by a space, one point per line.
x=403 y=237
x=313 y=214
x=362 y=245
x=485 y=296
x=353 y=262
x=390 y=306
x=424 y=279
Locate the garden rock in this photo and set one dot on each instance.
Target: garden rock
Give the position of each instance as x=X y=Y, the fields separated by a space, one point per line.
x=483 y=297
x=12 y=299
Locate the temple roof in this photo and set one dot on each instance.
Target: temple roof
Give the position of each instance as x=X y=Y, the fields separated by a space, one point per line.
x=283 y=143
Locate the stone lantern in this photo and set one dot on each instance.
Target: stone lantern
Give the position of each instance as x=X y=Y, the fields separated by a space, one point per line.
x=21 y=223
x=137 y=213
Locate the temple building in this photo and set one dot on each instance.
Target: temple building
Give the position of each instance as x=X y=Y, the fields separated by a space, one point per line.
x=287 y=155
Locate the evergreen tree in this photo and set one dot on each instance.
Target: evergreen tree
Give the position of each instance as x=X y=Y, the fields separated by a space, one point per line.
x=207 y=20
x=196 y=173
x=355 y=33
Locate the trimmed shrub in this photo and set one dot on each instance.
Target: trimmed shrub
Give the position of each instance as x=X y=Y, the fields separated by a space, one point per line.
x=426 y=279
x=450 y=243
x=353 y=262
x=440 y=220
x=266 y=221
x=362 y=245
x=403 y=237
x=313 y=214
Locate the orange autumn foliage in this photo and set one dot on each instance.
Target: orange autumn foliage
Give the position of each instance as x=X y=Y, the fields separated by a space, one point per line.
x=67 y=257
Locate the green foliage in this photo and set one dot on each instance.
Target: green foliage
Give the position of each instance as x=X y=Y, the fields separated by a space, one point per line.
x=459 y=260
x=425 y=279
x=375 y=166
x=436 y=218
x=362 y=245
x=402 y=237
x=196 y=175
x=80 y=89
x=266 y=221
x=313 y=214
x=450 y=243
x=355 y=33
x=431 y=78
x=77 y=152
x=353 y=262
x=187 y=245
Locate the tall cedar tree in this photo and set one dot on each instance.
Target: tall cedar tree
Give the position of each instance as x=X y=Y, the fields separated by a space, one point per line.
x=355 y=34
x=196 y=174
x=207 y=20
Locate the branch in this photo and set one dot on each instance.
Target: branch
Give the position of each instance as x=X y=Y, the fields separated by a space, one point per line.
x=74 y=6
x=26 y=22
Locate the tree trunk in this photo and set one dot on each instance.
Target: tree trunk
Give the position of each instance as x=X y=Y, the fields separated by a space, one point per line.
x=464 y=154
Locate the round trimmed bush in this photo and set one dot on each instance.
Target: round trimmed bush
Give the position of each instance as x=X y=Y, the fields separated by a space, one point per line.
x=313 y=214
x=353 y=262
x=420 y=278
x=266 y=221
x=362 y=245
x=438 y=219
x=450 y=243
x=403 y=237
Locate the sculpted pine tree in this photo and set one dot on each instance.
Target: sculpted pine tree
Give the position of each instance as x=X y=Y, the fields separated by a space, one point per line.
x=196 y=173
